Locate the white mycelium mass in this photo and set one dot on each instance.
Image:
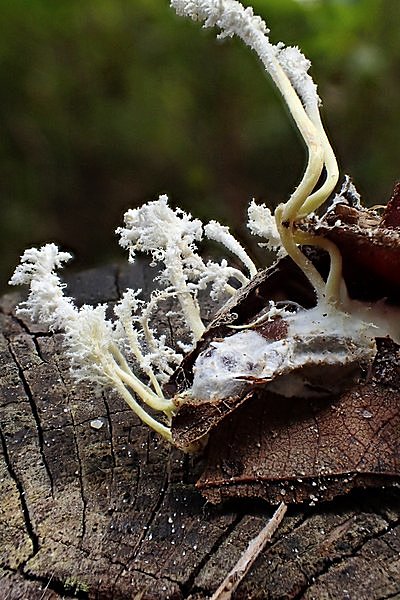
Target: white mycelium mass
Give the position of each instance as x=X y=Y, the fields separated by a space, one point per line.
x=338 y=331
x=318 y=337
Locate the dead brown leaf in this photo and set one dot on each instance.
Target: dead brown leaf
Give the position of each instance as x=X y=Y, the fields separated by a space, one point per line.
x=370 y=247
x=300 y=450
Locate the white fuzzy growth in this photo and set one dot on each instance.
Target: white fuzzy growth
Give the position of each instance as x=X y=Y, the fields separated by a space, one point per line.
x=217 y=277
x=232 y=19
x=220 y=233
x=38 y=263
x=127 y=311
x=154 y=356
x=262 y=223
x=46 y=301
x=318 y=337
x=129 y=305
x=296 y=67
x=230 y=16
x=164 y=360
x=88 y=334
x=170 y=236
x=93 y=344
x=88 y=340
x=157 y=229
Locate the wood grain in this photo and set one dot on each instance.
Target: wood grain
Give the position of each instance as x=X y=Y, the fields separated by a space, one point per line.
x=113 y=512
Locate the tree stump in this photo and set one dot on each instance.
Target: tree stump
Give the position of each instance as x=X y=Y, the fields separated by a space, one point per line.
x=95 y=505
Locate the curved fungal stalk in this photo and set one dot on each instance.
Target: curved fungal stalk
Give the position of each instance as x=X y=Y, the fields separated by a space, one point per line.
x=288 y=69
x=220 y=233
x=317 y=198
x=296 y=66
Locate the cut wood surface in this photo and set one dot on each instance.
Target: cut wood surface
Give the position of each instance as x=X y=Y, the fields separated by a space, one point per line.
x=95 y=505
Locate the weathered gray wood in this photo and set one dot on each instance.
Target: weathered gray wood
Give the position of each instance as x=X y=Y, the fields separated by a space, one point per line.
x=113 y=513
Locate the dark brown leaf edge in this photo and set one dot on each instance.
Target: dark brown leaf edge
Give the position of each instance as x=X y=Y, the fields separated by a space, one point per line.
x=369 y=244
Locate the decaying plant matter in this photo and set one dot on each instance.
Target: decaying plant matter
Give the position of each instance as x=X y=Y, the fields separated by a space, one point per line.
x=310 y=344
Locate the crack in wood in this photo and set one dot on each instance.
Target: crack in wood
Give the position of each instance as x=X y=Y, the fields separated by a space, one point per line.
x=46 y=584
x=35 y=414
x=188 y=587
x=81 y=484
x=56 y=585
x=21 y=493
x=111 y=437
x=78 y=457
x=146 y=529
x=335 y=562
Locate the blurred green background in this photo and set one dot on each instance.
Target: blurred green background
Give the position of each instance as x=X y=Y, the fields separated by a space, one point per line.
x=105 y=104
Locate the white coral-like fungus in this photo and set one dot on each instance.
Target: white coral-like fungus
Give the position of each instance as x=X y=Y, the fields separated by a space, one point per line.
x=262 y=223
x=46 y=301
x=338 y=331
x=171 y=237
x=155 y=227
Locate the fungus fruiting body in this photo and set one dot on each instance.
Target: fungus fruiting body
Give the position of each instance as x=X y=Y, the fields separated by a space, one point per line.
x=285 y=346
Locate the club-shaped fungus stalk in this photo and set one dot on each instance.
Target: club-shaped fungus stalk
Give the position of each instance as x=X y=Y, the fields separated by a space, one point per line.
x=337 y=331
x=288 y=69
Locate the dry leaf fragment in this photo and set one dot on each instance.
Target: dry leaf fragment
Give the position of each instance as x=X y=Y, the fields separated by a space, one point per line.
x=305 y=451
x=369 y=244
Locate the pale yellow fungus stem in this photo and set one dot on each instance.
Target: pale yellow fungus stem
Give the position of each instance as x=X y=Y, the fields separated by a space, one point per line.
x=191 y=313
x=229 y=289
x=316 y=199
x=134 y=346
x=313 y=142
x=145 y=394
x=303 y=201
x=143 y=391
x=289 y=243
x=140 y=412
x=334 y=282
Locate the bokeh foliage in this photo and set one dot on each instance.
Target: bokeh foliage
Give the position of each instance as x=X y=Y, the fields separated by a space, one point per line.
x=104 y=104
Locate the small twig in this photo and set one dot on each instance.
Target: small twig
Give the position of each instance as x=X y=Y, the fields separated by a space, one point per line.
x=245 y=562
x=47 y=587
